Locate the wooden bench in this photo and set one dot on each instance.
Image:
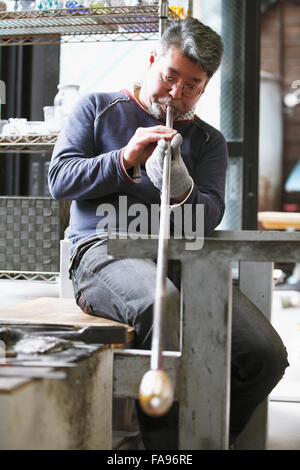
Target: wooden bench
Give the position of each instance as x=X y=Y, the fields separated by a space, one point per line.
x=279 y=220
x=74 y=413
x=56 y=311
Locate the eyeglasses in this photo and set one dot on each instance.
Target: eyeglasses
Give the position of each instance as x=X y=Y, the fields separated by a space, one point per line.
x=187 y=90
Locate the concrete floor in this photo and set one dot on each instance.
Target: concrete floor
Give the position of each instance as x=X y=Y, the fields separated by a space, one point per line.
x=284 y=407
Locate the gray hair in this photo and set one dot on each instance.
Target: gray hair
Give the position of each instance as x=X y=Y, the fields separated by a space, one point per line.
x=196 y=41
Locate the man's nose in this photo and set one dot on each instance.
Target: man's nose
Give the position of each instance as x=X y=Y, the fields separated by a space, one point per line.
x=176 y=92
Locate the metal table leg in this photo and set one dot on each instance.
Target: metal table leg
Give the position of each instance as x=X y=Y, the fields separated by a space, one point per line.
x=205 y=362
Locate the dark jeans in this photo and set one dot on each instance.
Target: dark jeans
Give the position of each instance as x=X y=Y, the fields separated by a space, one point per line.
x=123 y=290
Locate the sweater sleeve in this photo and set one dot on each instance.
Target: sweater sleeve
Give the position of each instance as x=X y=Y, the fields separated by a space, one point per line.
x=76 y=171
x=209 y=177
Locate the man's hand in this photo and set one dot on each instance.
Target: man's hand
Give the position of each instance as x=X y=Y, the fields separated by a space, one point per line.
x=181 y=181
x=143 y=142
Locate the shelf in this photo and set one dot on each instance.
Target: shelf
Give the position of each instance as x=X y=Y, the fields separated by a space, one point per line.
x=31 y=27
x=27 y=144
x=51 y=277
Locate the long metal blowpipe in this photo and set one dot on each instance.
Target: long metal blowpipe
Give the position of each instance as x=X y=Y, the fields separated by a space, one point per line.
x=156 y=390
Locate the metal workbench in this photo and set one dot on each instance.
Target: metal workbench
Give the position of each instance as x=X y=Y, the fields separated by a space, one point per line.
x=200 y=370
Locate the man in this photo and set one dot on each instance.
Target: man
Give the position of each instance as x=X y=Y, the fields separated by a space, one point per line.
x=112 y=148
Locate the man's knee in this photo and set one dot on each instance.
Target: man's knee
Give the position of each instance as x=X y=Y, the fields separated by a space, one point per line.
x=257 y=349
x=273 y=358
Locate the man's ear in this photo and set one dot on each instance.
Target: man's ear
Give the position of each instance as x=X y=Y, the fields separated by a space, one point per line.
x=204 y=88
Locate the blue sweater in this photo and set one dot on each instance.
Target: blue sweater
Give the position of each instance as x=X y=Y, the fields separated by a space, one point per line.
x=86 y=165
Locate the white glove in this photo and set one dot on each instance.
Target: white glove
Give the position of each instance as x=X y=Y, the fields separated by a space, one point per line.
x=181 y=180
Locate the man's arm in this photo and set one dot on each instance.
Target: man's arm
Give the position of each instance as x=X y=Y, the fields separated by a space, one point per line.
x=209 y=178
x=77 y=172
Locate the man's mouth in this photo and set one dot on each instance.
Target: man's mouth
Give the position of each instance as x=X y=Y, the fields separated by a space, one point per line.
x=159 y=109
x=165 y=105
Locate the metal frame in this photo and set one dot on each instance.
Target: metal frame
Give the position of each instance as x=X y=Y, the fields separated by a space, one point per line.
x=200 y=370
x=247 y=147
x=251 y=114
x=27 y=143
x=29 y=276
x=81 y=25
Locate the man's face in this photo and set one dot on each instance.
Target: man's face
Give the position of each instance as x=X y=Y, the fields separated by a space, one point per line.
x=174 y=68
